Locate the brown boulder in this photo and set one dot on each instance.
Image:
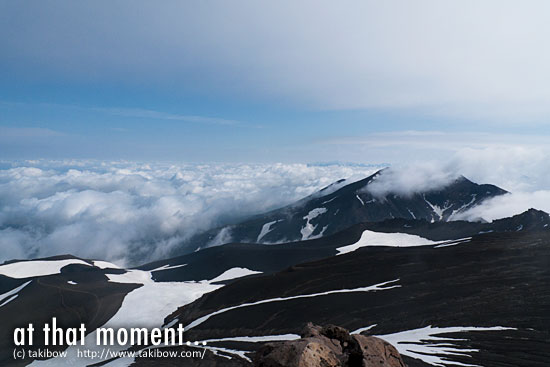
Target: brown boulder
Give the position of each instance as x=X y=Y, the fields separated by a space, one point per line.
x=378 y=352
x=329 y=346
x=298 y=353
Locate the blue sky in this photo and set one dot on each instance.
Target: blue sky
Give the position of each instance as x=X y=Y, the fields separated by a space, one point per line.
x=250 y=81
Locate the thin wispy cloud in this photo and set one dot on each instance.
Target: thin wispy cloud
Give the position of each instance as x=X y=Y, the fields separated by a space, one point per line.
x=160 y=115
x=27 y=132
x=138 y=113
x=445 y=140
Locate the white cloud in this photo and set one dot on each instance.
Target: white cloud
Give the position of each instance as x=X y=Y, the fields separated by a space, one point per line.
x=460 y=58
x=508 y=205
x=410 y=179
x=516 y=162
x=515 y=168
x=160 y=115
x=109 y=210
x=522 y=170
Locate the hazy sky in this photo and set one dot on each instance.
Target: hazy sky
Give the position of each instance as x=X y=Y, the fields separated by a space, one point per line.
x=255 y=81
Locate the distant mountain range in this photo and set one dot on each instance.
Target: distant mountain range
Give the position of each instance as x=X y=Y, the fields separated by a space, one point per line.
x=444 y=293
x=342 y=205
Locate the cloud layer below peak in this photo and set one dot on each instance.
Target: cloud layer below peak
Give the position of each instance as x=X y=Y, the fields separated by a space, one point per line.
x=107 y=210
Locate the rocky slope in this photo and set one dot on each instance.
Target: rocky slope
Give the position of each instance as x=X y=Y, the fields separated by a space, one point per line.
x=481 y=286
x=477 y=302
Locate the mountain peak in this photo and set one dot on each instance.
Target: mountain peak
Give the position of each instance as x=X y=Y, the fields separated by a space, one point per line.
x=530 y=220
x=344 y=204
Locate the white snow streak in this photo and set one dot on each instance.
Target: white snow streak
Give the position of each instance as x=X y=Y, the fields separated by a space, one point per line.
x=372 y=288
x=360 y=330
x=454 y=243
x=247 y=339
x=328 y=201
x=463 y=208
x=256 y=339
x=9 y=300
x=168 y=267
x=13 y=291
x=423 y=344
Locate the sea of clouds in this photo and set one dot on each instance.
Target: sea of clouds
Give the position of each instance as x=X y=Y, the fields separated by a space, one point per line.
x=108 y=210
x=111 y=210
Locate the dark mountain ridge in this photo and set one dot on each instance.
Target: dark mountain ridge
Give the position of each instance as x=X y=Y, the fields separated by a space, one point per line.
x=336 y=207
x=210 y=262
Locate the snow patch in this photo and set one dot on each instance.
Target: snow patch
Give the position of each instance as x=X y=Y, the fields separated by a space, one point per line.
x=131 y=276
x=320 y=234
x=309 y=228
x=370 y=238
x=155 y=300
x=266 y=228
x=234 y=273
x=37 y=268
x=437 y=210
x=105 y=265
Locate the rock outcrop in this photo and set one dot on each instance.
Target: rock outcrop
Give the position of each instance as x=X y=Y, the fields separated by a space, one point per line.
x=329 y=346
